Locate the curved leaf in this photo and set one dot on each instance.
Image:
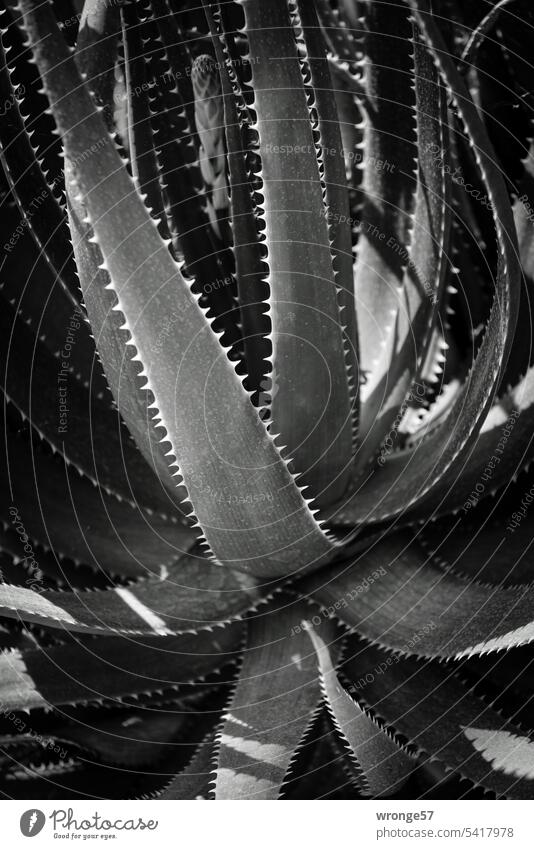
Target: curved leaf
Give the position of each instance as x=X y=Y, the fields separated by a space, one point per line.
x=308 y=352
x=193 y=781
x=89 y=436
x=46 y=219
x=275 y=698
x=429 y=706
x=407 y=477
x=389 y=187
x=252 y=290
x=332 y=162
x=384 y=765
x=196 y=595
x=69 y=515
x=269 y=524
x=398 y=597
x=111 y=667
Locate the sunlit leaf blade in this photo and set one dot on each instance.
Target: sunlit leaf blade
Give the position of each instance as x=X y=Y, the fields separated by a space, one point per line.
x=252 y=289
x=111 y=668
x=269 y=524
x=383 y=764
x=408 y=476
x=396 y=595
x=432 y=708
x=193 y=781
x=389 y=187
x=308 y=355
x=423 y=260
x=335 y=187
x=274 y=701
x=242 y=486
x=193 y=593
x=140 y=136
x=96 y=59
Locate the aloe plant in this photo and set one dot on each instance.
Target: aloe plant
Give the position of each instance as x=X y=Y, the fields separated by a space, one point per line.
x=269 y=400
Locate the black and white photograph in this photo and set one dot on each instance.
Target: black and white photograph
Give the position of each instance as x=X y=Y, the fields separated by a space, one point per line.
x=267 y=373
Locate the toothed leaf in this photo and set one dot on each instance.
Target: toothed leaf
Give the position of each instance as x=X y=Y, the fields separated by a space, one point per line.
x=68 y=514
x=389 y=187
x=274 y=701
x=192 y=782
x=110 y=668
x=397 y=596
x=308 y=357
x=196 y=594
x=430 y=706
x=383 y=764
x=403 y=481
x=212 y=428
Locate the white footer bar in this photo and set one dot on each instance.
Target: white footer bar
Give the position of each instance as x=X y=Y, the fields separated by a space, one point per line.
x=264 y=825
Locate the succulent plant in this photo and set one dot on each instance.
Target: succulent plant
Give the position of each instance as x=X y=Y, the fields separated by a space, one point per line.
x=269 y=399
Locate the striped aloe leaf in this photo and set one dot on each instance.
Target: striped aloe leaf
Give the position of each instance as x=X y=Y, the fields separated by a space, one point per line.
x=266 y=338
